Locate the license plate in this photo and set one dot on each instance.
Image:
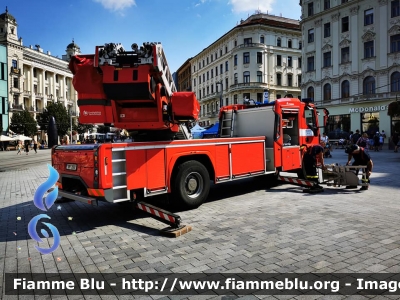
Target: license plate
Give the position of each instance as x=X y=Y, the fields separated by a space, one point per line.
x=71 y=167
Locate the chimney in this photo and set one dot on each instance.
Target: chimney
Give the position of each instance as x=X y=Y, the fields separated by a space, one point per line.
x=48 y=53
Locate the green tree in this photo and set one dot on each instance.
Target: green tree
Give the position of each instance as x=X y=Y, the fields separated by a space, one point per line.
x=82 y=128
x=22 y=122
x=60 y=114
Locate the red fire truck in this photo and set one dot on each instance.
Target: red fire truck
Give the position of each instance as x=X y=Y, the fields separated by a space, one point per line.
x=134 y=90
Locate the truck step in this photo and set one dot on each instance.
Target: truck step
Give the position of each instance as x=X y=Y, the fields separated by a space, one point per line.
x=119 y=174
x=119 y=187
x=118 y=160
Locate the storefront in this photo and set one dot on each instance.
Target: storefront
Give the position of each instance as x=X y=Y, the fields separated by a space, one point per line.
x=367 y=117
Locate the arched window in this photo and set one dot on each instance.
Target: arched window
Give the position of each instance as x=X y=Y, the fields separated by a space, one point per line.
x=246 y=77
x=369 y=85
x=310 y=92
x=279 y=42
x=262 y=39
x=289 y=43
x=395 y=82
x=327 y=91
x=345 y=89
x=300 y=45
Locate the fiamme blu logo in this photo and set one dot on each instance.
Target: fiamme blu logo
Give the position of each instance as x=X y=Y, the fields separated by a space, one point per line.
x=45 y=204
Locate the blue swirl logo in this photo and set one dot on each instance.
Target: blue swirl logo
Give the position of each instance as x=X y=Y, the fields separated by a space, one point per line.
x=45 y=204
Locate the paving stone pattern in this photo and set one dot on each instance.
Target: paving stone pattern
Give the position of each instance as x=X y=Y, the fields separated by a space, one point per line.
x=245 y=227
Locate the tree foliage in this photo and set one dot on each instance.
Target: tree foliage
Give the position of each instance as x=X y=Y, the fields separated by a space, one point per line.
x=394 y=109
x=60 y=114
x=82 y=128
x=22 y=122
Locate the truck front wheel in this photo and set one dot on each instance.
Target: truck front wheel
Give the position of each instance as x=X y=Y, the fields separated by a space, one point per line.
x=192 y=184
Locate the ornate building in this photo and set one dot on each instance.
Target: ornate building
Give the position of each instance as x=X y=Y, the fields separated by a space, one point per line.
x=35 y=78
x=351 y=60
x=184 y=75
x=259 y=60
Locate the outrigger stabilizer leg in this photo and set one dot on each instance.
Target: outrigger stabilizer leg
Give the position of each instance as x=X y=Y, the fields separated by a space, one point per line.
x=309 y=186
x=175 y=228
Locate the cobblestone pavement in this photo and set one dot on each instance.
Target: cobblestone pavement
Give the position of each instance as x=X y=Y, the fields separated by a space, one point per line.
x=245 y=227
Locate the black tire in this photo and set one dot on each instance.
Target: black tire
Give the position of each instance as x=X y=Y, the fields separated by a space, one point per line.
x=191 y=184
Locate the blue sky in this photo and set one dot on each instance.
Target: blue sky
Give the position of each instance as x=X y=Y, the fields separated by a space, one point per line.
x=184 y=27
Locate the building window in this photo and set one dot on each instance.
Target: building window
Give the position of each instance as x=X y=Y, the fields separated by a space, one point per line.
x=278 y=79
x=216 y=71
x=311 y=35
x=203 y=63
x=226 y=49
x=226 y=101
x=345 y=89
x=246 y=77
x=15 y=83
x=259 y=57
x=278 y=96
x=204 y=77
x=246 y=57
x=369 y=49
x=327 y=91
x=395 y=8
x=260 y=97
x=310 y=92
x=226 y=66
x=208 y=75
x=327 y=4
x=290 y=61
x=327 y=59
x=262 y=39
x=221 y=68
x=327 y=30
x=235 y=78
x=208 y=90
x=14 y=64
x=310 y=63
x=290 y=80
x=235 y=99
x=279 y=60
x=369 y=85
x=345 y=54
x=235 y=60
x=259 y=76
x=35 y=74
x=194 y=82
x=279 y=42
x=199 y=79
x=300 y=45
x=395 y=82
x=226 y=84
x=199 y=66
x=345 y=24
x=369 y=16
x=310 y=9
x=299 y=62
x=220 y=52
x=289 y=44
x=345 y=1
x=298 y=80
x=246 y=96
x=212 y=73
x=3 y=71
x=247 y=41
x=395 y=43
x=207 y=60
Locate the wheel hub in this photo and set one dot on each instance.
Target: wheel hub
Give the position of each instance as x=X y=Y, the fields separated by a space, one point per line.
x=192 y=184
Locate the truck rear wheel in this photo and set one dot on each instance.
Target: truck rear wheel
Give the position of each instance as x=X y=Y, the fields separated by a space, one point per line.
x=192 y=184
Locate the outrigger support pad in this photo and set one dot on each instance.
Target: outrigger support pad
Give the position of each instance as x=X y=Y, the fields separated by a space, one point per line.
x=173 y=220
x=310 y=186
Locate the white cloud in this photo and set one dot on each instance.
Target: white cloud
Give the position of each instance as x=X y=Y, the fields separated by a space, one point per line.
x=252 y=5
x=116 y=5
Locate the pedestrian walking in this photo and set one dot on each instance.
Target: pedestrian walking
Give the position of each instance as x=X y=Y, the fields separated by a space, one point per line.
x=35 y=146
x=376 y=141
x=396 y=141
x=361 y=158
x=19 y=148
x=382 y=139
x=355 y=137
x=27 y=147
x=363 y=142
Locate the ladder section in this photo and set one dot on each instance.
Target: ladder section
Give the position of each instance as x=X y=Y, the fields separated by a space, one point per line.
x=183 y=133
x=120 y=192
x=227 y=124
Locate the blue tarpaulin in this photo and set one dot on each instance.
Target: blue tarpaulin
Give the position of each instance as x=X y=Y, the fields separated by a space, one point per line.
x=211 y=131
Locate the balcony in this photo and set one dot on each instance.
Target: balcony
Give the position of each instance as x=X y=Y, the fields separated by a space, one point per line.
x=16 y=106
x=27 y=93
x=50 y=97
x=70 y=102
x=209 y=97
x=250 y=45
x=60 y=99
x=15 y=71
x=38 y=95
x=249 y=85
